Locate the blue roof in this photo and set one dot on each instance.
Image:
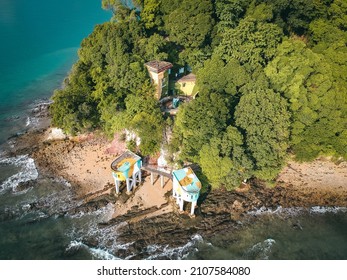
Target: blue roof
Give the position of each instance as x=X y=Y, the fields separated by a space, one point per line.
x=187 y=174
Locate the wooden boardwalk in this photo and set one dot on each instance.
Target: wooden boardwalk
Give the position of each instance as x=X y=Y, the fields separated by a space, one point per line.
x=158 y=172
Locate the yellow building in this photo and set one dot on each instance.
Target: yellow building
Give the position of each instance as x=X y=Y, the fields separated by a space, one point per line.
x=187 y=84
x=159 y=75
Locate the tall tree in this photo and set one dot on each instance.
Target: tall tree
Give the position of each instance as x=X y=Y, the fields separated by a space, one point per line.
x=190 y=25
x=252 y=42
x=74 y=109
x=197 y=122
x=317 y=100
x=224 y=161
x=263 y=116
x=230 y=12
x=218 y=76
x=144 y=117
x=150 y=13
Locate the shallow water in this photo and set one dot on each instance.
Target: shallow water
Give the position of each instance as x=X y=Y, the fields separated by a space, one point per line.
x=39 y=43
x=293 y=234
x=35 y=224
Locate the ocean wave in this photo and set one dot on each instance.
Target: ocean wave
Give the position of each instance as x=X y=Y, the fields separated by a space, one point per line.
x=260 y=250
x=178 y=253
x=27 y=172
x=98 y=253
x=32 y=122
x=294 y=211
x=85 y=228
x=326 y=209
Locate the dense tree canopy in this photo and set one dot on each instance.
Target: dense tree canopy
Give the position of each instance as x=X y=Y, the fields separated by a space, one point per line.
x=264 y=117
x=191 y=23
x=224 y=160
x=271 y=75
x=317 y=100
x=252 y=42
x=197 y=122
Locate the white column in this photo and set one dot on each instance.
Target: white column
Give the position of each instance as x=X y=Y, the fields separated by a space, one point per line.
x=133 y=184
x=193 y=208
x=128 y=185
x=181 y=204
x=140 y=176
x=116 y=182
x=152 y=179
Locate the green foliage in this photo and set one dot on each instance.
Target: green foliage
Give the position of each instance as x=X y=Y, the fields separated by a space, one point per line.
x=150 y=13
x=295 y=16
x=229 y=12
x=264 y=117
x=153 y=48
x=194 y=57
x=317 y=99
x=144 y=117
x=262 y=12
x=131 y=146
x=74 y=109
x=121 y=12
x=218 y=76
x=251 y=42
x=224 y=161
x=301 y=12
x=197 y=122
x=271 y=74
x=338 y=14
x=191 y=23
x=108 y=86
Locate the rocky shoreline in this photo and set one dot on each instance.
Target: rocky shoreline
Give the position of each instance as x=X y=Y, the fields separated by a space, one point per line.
x=143 y=225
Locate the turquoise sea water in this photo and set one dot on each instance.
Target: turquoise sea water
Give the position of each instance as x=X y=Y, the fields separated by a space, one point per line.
x=39 y=44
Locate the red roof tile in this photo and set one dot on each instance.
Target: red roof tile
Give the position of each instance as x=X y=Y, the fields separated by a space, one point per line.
x=158 y=66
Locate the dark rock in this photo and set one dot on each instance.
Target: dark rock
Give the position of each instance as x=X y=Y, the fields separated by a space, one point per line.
x=22 y=186
x=91 y=206
x=91 y=242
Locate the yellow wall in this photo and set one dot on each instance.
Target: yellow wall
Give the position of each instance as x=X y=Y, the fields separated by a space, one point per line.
x=187 y=87
x=157 y=79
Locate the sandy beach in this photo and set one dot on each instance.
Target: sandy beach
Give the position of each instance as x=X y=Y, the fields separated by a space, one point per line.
x=321 y=180
x=85 y=162
x=149 y=214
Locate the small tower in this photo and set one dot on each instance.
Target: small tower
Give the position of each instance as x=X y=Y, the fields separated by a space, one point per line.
x=127 y=167
x=159 y=75
x=186 y=187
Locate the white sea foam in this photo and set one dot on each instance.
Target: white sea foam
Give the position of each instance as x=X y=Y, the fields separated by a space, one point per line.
x=95 y=252
x=26 y=207
x=103 y=214
x=261 y=250
x=323 y=210
x=181 y=252
x=27 y=171
x=102 y=254
x=294 y=211
x=28 y=121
